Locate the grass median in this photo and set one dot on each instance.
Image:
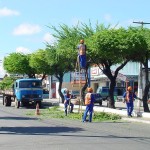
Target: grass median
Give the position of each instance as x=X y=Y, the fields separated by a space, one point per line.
x=57 y=112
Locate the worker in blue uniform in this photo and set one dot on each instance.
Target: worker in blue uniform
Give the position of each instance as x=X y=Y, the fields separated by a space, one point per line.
x=67 y=102
x=129 y=97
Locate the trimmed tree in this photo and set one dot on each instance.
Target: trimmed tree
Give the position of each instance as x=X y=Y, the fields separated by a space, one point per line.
x=59 y=65
x=109 y=47
x=18 y=63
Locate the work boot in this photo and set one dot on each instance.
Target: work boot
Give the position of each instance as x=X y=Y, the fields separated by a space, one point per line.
x=65 y=112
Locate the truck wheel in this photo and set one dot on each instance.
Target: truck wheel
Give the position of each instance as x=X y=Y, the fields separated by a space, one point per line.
x=17 y=103
x=100 y=103
x=7 y=101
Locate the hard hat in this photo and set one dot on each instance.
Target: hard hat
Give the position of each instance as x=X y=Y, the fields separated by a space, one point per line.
x=129 y=88
x=81 y=41
x=89 y=89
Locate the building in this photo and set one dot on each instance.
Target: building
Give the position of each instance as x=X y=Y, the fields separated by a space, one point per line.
x=127 y=76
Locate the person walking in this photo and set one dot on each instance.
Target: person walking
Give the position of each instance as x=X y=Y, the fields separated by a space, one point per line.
x=89 y=102
x=82 y=54
x=129 y=97
x=67 y=102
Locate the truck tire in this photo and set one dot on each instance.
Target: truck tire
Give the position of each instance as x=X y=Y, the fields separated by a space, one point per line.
x=7 y=101
x=17 y=103
x=100 y=103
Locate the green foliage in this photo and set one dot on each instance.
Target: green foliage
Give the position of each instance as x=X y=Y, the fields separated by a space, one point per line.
x=7 y=83
x=105 y=116
x=59 y=63
x=116 y=45
x=18 y=63
x=39 y=63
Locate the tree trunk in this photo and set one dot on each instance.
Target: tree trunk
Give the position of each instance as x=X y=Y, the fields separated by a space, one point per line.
x=145 y=105
x=111 y=101
x=60 y=79
x=147 y=86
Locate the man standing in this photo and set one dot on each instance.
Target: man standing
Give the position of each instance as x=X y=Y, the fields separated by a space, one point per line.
x=89 y=102
x=82 y=54
x=129 y=97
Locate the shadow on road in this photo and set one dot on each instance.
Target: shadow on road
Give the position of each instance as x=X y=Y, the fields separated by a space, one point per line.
x=38 y=130
x=18 y=118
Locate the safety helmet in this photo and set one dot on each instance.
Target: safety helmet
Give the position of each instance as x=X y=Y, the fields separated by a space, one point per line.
x=81 y=41
x=89 y=89
x=129 y=88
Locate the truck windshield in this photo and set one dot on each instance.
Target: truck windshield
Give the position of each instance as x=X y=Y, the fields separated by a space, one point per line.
x=30 y=84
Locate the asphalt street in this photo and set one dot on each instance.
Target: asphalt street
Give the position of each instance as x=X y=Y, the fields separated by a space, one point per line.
x=20 y=131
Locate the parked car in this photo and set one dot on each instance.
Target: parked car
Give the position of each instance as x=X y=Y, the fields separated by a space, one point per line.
x=104 y=92
x=98 y=98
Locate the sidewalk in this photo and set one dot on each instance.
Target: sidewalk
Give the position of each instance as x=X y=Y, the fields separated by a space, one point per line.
x=138 y=114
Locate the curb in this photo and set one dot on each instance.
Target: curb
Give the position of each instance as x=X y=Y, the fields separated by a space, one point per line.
x=136 y=120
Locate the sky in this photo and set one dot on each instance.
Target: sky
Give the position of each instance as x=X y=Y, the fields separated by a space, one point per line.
x=24 y=23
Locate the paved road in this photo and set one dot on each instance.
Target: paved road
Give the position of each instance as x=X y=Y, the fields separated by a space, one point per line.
x=19 y=132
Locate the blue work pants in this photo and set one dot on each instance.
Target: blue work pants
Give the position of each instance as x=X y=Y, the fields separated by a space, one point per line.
x=82 y=60
x=129 y=108
x=89 y=108
x=66 y=107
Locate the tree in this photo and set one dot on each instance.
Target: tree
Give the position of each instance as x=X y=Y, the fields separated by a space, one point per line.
x=59 y=65
x=18 y=63
x=68 y=38
x=143 y=57
x=39 y=63
x=109 y=47
x=144 y=61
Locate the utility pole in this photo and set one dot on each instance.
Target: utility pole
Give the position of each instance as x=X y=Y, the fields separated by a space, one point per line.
x=141 y=22
x=140 y=87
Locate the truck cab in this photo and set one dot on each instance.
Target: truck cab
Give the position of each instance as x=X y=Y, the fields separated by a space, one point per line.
x=27 y=90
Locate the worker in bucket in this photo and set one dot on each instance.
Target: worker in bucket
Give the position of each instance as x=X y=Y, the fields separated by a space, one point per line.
x=82 y=54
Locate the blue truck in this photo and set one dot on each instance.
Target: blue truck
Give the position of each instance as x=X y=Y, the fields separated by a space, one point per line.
x=23 y=92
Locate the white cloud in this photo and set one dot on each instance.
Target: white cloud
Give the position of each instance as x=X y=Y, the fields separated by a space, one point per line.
x=8 y=12
x=107 y=17
x=23 y=50
x=49 y=38
x=26 y=29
